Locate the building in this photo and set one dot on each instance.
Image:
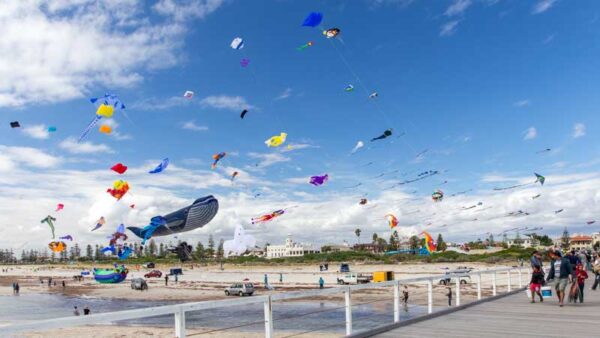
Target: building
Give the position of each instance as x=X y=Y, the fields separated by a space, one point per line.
x=578 y=242
x=370 y=247
x=336 y=247
x=524 y=242
x=290 y=249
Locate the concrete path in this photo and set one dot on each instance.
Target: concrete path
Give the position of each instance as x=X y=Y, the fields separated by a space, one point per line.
x=514 y=316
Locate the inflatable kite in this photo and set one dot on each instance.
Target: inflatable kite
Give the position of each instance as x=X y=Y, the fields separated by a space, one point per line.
x=124 y=253
x=558 y=211
x=188 y=94
x=331 y=32
x=119 y=168
x=217 y=158
x=183 y=251
x=116 y=240
x=244 y=62
x=99 y=223
x=385 y=134
x=159 y=168
x=240 y=243
x=437 y=196
x=67 y=238
x=243 y=113
x=313 y=19
x=15 y=124
x=536 y=196
x=120 y=188
x=363 y=201
x=268 y=217
x=105 y=129
x=319 y=180
x=111 y=276
x=358 y=145
x=590 y=222
x=51 y=129
x=276 y=141
x=57 y=246
x=50 y=221
x=429 y=243
x=373 y=95
x=237 y=43
x=392 y=221
x=106 y=108
x=349 y=88
x=59 y=207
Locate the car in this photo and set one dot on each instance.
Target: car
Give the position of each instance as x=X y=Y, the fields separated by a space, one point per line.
x=240 y=289
x=150 y=265
x=153 y=273
x=354 y=278
x=448 y=280
x=176 y=271
x=139 y=284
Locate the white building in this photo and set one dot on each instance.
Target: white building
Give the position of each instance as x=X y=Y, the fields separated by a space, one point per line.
x=525 y=242
x=289 y=249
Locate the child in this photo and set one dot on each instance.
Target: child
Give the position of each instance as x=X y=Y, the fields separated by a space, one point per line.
x=581 y=277
x=535 y=285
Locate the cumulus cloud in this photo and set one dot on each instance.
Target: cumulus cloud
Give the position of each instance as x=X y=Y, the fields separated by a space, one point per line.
x=233 y=103
x=38 y=131
x=58 y=50
x=191 y=125
x=449 y=28
x=522 y=103
x=542 y=6
x=578 y=130
x=31 y=157
x=268 y=159
x=70 y=144
x=530 y=133
x=457 y=7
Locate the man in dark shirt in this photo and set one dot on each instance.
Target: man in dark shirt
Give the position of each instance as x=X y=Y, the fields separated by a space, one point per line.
x=564 y=278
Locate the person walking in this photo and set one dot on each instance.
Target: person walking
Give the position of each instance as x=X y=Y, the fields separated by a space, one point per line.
x=581 y=277
x=166 y=280
x=565 y=276
x=280 y=277
x=266 y=281
x=535 y=260
x=405 y=295
x=535 y=285
x=76 y=311
x=552 y=272
x=449 y=294
x=14 y=288
x=86 y=311
x=596 y=269
x=583 y=258
x=17 y=288
x=64 y=285
x=321 y=282
x=176 y=278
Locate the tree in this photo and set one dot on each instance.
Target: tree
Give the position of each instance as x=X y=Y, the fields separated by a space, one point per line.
x=357 y=233
x=505 y=238
x=441 y=245
x=152 y=247
x=161 y=250
x=413 y=242
x=97 y=253
x=565 y=240
x=200 y=254
x=211 y=246
x=325 y=249
x=220 y=250
x=89 y=252
x=375 y=237
x=491 y=240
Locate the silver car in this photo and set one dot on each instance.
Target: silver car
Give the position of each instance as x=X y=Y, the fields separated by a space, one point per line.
x=139 y=284
x=240 y=289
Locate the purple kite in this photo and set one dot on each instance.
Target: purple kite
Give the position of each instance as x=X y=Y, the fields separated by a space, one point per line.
x=318 y=180
x=67 y=237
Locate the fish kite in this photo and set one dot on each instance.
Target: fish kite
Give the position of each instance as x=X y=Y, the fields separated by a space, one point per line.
x=392 y=221
x=331 y=32
x=385 y=134
x=119 y=168
x=235 y=173
x=349 y=88
x=59 y=207
x=155 y=223
x=429 y=243
x=124 y=253
x=306 y=45
x=159 y=168
x=217 y=157
x=240 y=243
x=358 y=145
x=106 y=108
x=57 y=246
x=268 y=217
x=313 y=19
x=276 y=141
x=51 y=129
x=437 y=196
x=237 y=43
x=373 y=95
x=120 y=188
x=363 y=201
x=188 y=94
x=99 y=223
x=50 y=221
x=67 y=237
x=244 y=62
x=318 y=180
x=243 y=113
x=15 y=124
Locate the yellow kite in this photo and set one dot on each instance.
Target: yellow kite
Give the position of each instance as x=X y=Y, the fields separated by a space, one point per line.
x=276 y=141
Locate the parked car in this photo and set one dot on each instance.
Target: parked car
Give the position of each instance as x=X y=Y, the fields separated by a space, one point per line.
x=355 y=278
x=449 y=280
x=176 y=271
x=153 y=273
x=150 y=265
x=344 y=267
x=139 y=284
x=240 y=289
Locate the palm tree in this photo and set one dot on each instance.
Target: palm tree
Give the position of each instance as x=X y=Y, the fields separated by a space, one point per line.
x=357 y=233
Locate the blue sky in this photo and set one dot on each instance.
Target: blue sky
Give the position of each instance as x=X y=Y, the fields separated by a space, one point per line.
x=481 y=85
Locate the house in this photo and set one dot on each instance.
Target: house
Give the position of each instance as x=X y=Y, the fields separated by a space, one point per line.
x=336 y=247
x=370 y=247
x=578 y=242
x=290 y=249
x=523 y=242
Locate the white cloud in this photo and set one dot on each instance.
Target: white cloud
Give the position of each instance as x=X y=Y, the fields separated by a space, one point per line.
x=578 y=130
x=54 y=51
x=530 y=133
x=449 y=28
x=38 y=131
x=12 y=156
x=457 y=7
x=297 y=146
x=161 y=103
x=115 y=133
x=401 y=3
x=285 y=94
x=191 y=125
x=268 y=159
x=182 y=11
x=542 y=6
x=548 y=39
x=70 y=144
x=522 y=103
x=233 y=103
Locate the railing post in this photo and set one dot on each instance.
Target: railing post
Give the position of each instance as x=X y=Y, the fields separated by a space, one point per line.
x=509 y=282
x=494 y=283
x=457 y=291
x=348 y=312
x=479 y=286
x=396 y=301
x=180 y=323
x=268 y=308
x=520 y=279
x=430 y=296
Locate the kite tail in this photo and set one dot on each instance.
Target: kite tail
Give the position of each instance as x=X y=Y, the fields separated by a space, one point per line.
x=89 y=127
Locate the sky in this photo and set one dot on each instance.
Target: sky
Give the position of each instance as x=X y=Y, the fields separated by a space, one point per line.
x=476 y=90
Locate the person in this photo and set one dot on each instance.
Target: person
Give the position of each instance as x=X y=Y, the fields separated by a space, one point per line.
x=573 y=259
x=552 y=272
x=565 y=275
x=405 y=295
x=64 y=285
x=535 y=285
x=449 y=294
x=76 y=311
x=176 y=278
x=86 y=311
x=14 y=288
x=266 y=281
x=50 y=282
x=535 y=260
x=581 y=277
x=596 y=269
x=280 y=277
x=17 y=288
x=583 y=258
x=321 y=282
x=166 y=280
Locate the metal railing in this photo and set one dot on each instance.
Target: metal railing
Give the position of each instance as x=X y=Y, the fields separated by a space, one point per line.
x=179 y=310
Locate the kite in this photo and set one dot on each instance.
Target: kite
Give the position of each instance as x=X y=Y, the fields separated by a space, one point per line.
x=358 y=145
x=313 y=19
x=132 y=206
x=111 y=276
x=50 y=221
x=240 y=243
x=244 y=62
x=155 y=223
x=538 y=178
x=116 y=240
x=363 y=201
x=217 y=157
x=106 y=108
x=268 y=217
x=120 y=188
x=188 y=94
x=590 y=222
x=119 y=168
x=536 y=196
x=51 y=129
x=544 y=151
x=354 y=186
x=437 y=196
x=159 y=168
x=373 y=95
x=472 y=206
x=67 y=238
x=59 y=207
x=559 y=211
x=124 y=253
x=235 y=173
x=105 y=129
x=331 y=32
x=318 y=180
x=237 y=43
x=349 y=88
x=99 y=223
x=304 y=46
x=15 y=124
x=183 y=251
x=57 y=246
x=421 y=176
x=385 y=134
x=276 y=141
x=429 y=243
x=243 y=113
x=461 y=192
x=392 y=221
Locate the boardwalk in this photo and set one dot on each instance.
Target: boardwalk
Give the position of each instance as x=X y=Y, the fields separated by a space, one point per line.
x=512 y=316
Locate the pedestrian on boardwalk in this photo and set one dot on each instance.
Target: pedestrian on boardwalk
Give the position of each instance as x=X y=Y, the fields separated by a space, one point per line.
x=449 y=296
x=552 y=272
x=596 y=269
x=535 y=285
x=565 y=276
x=581 y=277
x=535 y=260
x=321 y=282
x=405 y=295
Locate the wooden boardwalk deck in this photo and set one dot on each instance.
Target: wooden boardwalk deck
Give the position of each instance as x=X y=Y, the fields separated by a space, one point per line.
x=513 y=316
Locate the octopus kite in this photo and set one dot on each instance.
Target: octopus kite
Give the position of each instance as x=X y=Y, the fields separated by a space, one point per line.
x=268 y=217
x=120 y=188
x=50 y=221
